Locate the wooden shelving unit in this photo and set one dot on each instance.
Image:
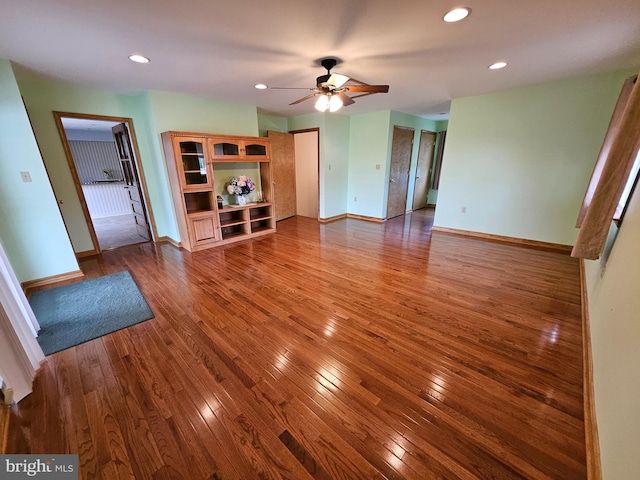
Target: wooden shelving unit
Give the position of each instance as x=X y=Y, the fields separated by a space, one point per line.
x=191 y=160
x=249 y=220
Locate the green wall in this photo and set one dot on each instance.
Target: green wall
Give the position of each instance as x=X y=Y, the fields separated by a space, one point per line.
x=336 y=175
x=152 y=113
x=350 y=147
x=172 y=111
x=42 y=98
x=31 y=227
x=369 y=146
x=519 y=160
x=273 y=123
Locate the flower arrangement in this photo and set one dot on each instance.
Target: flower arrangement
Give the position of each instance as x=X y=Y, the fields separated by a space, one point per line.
x=241 y=185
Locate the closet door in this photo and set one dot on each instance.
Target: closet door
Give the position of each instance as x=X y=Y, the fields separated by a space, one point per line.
x=399 y=171
x=284 y=173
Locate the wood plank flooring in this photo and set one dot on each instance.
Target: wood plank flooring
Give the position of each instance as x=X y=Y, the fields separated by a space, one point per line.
x=349 y=350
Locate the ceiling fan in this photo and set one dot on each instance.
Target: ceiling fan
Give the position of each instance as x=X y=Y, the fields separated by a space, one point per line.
x=333 y=88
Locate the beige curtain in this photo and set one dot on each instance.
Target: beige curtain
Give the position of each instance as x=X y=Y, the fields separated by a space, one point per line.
x=614 y=164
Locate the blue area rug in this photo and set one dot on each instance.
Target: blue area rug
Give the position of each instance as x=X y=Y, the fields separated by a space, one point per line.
x=79 y=312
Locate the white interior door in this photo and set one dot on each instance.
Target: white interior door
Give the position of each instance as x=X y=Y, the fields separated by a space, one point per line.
x=307 y=175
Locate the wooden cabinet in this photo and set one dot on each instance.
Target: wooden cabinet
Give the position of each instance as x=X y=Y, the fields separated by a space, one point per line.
x=240 y=150
x=199 y=166
x=193 y=164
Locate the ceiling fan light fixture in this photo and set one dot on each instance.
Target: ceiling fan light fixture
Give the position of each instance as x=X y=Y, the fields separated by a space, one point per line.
x=335 y=103
x=338 y=80
x=456 y=14
x=322 y=104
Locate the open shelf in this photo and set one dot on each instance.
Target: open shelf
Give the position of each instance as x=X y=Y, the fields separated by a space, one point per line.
x=260 y=212
x=232 y=216
x=261 y=226
x=234 y=231
x=198 y=202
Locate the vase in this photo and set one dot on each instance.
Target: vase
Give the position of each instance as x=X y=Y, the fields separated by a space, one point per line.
x=242 y=199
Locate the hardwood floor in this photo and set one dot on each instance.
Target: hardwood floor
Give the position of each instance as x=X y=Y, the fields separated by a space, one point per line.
x=344 y=350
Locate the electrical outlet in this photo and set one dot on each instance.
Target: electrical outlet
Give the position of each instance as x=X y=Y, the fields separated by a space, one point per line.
x=26 y=176
x=463 y=210
x=329 y=166
x=355 y=199
x=377 y=166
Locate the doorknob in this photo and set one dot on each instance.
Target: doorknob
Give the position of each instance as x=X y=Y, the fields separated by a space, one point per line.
x=392 y=180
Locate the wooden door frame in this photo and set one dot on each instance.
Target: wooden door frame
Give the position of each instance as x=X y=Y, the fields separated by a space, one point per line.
x=58 y=116
x=309 y=130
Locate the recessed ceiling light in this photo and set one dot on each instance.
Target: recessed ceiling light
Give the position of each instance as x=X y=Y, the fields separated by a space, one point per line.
x=138 y=58
x=261 y=86
x=456 y=14
x=498 y=65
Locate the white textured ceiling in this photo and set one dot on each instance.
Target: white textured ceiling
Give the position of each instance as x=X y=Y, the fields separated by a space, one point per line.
x=221 y=49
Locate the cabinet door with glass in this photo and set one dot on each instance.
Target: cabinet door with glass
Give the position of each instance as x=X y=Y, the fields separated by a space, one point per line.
x=193 y=163
x=256 y=150
x=238 y=149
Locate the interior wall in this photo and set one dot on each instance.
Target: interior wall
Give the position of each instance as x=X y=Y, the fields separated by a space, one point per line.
x=615 y=338
x=91 y=159
x=336 y=174
x=152 y=113
x=28 y=210
x=186 y=113
x=42 y=97
x=369 y=148
x=272 y=123
x=519 y=161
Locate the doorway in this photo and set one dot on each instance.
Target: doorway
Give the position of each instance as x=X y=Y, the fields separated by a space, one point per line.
x=101 y=155
x=424 y=169
x=401 y=148
x=296 y=172
x=307 y=173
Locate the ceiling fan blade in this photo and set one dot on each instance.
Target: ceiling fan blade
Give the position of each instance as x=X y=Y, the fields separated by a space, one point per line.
x=337 y=80
x=346 y=100
x=367 y=88
x=304 y=98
